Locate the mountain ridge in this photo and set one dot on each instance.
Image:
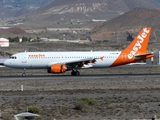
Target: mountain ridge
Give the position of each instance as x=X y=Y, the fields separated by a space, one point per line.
x=12 y=8
x=133 y=20
x=64 y=6
x=87 y=9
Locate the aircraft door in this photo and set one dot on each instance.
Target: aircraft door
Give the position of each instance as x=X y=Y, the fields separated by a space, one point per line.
x=24 y=58
x=123 y=57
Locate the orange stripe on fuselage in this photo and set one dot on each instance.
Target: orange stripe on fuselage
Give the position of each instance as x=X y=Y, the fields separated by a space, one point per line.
x=137 y=47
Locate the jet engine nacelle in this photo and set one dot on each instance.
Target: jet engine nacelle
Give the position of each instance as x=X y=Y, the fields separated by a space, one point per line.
x=57 y=68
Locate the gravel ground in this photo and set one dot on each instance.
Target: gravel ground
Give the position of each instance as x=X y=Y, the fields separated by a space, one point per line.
x=118 y=97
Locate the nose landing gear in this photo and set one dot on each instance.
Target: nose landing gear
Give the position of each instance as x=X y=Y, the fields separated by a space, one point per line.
x=24 y=74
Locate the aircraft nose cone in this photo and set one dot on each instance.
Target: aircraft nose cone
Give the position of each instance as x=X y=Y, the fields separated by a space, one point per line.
x=6 y=63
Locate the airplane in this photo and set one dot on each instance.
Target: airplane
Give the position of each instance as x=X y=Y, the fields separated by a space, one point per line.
x=60 y=62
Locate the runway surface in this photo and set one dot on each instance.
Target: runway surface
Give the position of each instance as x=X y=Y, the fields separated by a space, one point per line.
x=122 y=71
x=79 y=77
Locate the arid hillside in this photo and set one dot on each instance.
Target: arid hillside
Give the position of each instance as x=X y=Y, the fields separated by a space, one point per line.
x=87 y=9
x=14 y=8
x=131 y=21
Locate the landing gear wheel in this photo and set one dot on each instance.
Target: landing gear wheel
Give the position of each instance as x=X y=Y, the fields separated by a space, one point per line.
x=72 y=73
x=75 y=73
x=23 y=74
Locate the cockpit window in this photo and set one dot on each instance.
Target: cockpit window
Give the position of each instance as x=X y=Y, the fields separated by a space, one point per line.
x=13 y=57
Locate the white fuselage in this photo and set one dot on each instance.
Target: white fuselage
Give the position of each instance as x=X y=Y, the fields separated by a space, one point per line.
x=42 y=60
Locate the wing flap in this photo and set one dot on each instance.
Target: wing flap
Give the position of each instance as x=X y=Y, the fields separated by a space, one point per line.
x=79 y=60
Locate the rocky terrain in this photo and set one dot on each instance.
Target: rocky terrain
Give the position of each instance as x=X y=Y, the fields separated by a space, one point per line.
x=15 y=8
x=118 y=95
x=93 y=8
x=18 y=8
x=83 y=11
x=115 y=29
x=131 y=22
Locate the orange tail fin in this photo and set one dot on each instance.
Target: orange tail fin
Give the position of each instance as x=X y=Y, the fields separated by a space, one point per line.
x=136 y=51
x=139 y=44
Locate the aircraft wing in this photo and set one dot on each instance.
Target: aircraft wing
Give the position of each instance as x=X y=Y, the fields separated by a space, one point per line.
x=79 y=63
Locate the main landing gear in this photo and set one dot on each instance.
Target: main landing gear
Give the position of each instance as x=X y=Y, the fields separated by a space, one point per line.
x=24 y=74
x=75 y=73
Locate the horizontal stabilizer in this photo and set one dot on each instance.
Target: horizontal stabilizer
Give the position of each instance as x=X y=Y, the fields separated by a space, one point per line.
x=144 y=55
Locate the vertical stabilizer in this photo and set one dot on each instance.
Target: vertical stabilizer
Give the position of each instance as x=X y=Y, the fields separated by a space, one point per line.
x=136 y=51
x=139 y=44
